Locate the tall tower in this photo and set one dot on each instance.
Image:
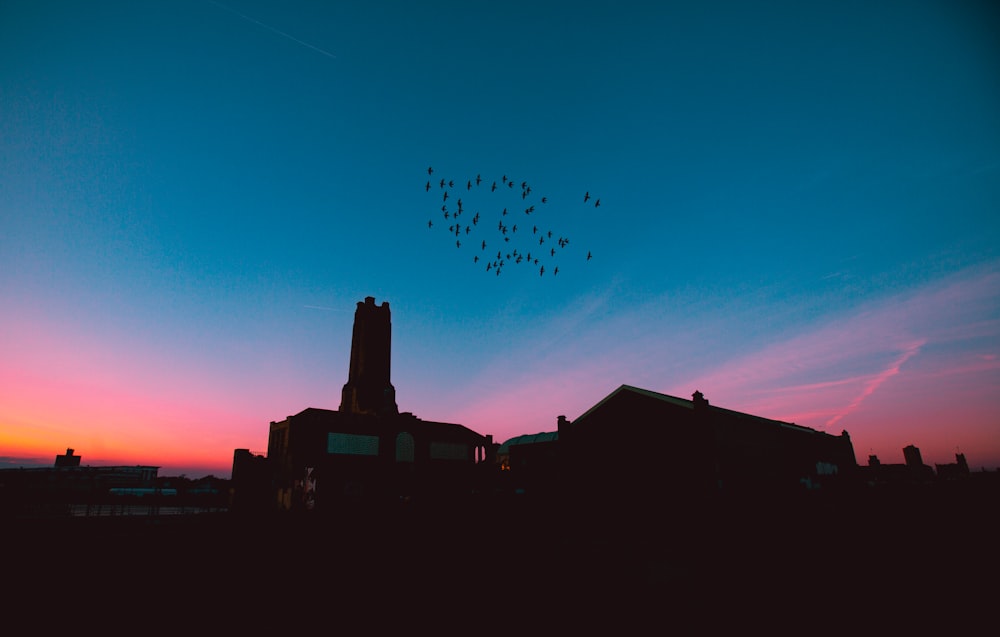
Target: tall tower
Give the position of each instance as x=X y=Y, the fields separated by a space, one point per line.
x=368 y=390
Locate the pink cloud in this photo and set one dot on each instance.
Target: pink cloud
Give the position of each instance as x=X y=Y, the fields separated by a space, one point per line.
x=874 y=383
x=835 y=373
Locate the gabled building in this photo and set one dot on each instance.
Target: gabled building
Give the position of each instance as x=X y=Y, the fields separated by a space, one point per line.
x=637 y=446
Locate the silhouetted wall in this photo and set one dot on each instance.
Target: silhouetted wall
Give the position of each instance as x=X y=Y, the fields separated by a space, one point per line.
x=321 y=458
x=638 y=448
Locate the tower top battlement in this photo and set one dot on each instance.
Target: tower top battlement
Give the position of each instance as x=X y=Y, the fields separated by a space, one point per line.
x=368 y=389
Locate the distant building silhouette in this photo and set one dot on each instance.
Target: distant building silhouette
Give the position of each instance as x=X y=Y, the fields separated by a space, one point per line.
x=912 y=456
x=912 y=471
x=953 y=471
x=52 y=489
x=67 y=460
x=530 y=463
x=320 y=459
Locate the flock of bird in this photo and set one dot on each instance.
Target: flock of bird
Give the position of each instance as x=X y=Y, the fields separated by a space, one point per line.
x=500 y=237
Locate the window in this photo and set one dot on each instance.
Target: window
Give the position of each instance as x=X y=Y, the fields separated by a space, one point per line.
x=404 y=447
x=352 y=444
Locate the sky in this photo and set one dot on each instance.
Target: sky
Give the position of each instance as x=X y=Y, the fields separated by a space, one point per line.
x=798 y=217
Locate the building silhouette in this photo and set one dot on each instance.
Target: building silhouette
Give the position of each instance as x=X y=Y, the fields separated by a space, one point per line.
x=67 y=459
x=50 y=490
x=365 y=452
x=957 y=470
x=632 y=450
x=636 y=447
x=912 y=471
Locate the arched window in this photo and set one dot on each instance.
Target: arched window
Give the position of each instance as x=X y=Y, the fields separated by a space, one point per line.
x=404 y=447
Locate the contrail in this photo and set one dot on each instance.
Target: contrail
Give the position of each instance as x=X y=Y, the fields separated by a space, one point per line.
x=272 y=29
x=321 y=307
x=874 y=383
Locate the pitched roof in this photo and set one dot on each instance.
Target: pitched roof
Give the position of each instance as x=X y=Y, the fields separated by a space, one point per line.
x=689 y=404
x=680 y=402
x=527 y=439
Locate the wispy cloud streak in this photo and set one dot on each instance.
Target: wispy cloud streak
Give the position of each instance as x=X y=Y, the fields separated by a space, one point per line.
x=273 y=30
x=874 y=383
x=837 y=371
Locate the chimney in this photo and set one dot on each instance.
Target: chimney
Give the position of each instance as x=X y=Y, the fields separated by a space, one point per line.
x=699 y=400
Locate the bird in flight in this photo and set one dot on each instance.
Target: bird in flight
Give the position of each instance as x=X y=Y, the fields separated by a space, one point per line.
x=547 y=257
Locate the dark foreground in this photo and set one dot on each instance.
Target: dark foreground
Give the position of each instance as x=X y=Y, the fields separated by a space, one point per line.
x=872 y=567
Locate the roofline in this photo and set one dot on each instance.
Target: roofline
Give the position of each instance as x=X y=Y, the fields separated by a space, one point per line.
x=688 y=404
x=405 y=415
x=680 y=402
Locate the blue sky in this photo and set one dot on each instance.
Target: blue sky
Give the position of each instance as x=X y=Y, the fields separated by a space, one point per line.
x=798 y=216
